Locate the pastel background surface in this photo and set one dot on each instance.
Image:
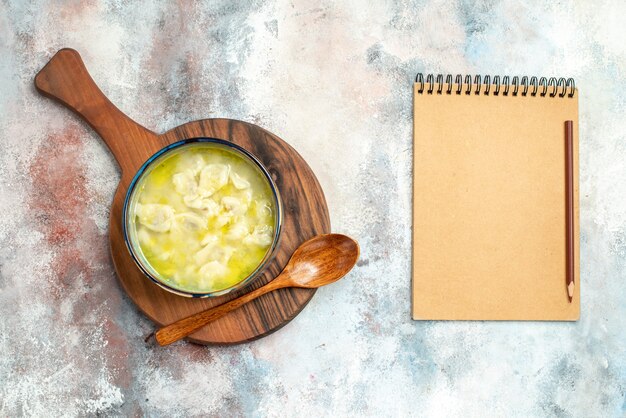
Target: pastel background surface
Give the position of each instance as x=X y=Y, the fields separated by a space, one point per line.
x=72 y=343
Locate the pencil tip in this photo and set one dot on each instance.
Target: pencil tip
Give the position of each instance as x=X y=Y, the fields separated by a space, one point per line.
x=570 y=291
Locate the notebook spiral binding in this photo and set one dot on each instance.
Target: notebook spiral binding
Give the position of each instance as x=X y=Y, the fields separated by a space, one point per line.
x=505 y=85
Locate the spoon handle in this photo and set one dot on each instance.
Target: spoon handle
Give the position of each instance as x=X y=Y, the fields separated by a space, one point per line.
x=183 y=327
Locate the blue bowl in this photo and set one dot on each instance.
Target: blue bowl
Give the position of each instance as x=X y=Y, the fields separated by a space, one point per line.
x=133 y=244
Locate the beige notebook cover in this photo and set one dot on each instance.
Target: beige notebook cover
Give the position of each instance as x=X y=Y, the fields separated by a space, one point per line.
x=489 y=205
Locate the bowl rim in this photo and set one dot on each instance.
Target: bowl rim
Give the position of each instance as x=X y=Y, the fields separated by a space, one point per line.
x=269 y=255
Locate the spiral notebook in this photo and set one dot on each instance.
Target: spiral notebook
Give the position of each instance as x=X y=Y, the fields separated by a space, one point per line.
x=489 y=198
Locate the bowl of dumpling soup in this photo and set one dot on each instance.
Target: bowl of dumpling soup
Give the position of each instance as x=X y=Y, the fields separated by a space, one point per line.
x=202 y=217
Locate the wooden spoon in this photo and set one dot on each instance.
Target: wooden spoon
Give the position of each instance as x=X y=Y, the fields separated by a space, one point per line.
x=319 y=261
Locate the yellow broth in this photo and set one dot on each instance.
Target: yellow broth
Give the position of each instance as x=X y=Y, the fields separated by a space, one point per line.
x=204 y=217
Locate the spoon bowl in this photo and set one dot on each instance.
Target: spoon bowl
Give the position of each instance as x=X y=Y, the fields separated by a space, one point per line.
x=321 y=260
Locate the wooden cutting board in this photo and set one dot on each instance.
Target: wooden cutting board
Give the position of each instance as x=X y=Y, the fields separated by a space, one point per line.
x=66 y=79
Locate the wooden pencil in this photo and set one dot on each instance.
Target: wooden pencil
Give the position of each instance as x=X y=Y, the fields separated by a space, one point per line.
x=569 y=207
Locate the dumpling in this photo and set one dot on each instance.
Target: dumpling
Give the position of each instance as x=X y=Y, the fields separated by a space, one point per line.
x=246 y=196
x=237 y=231
x=189 y=221
x=263 y=209
x=165 y=255
x=185 y=183
x=212 y=178
x=239 y=182
x=183 y=277
x=144 y=237
x=223 y=220
x=233 y=206
x=193 y=201
x=210 y=272
x=209 y=238
x=262 y=236
x=204 y=254
x=213 y=252
x=205 y=203
x=154 y=216
x=194 y=162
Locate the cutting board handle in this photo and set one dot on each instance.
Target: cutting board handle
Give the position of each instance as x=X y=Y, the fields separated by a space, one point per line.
x=65 y=78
